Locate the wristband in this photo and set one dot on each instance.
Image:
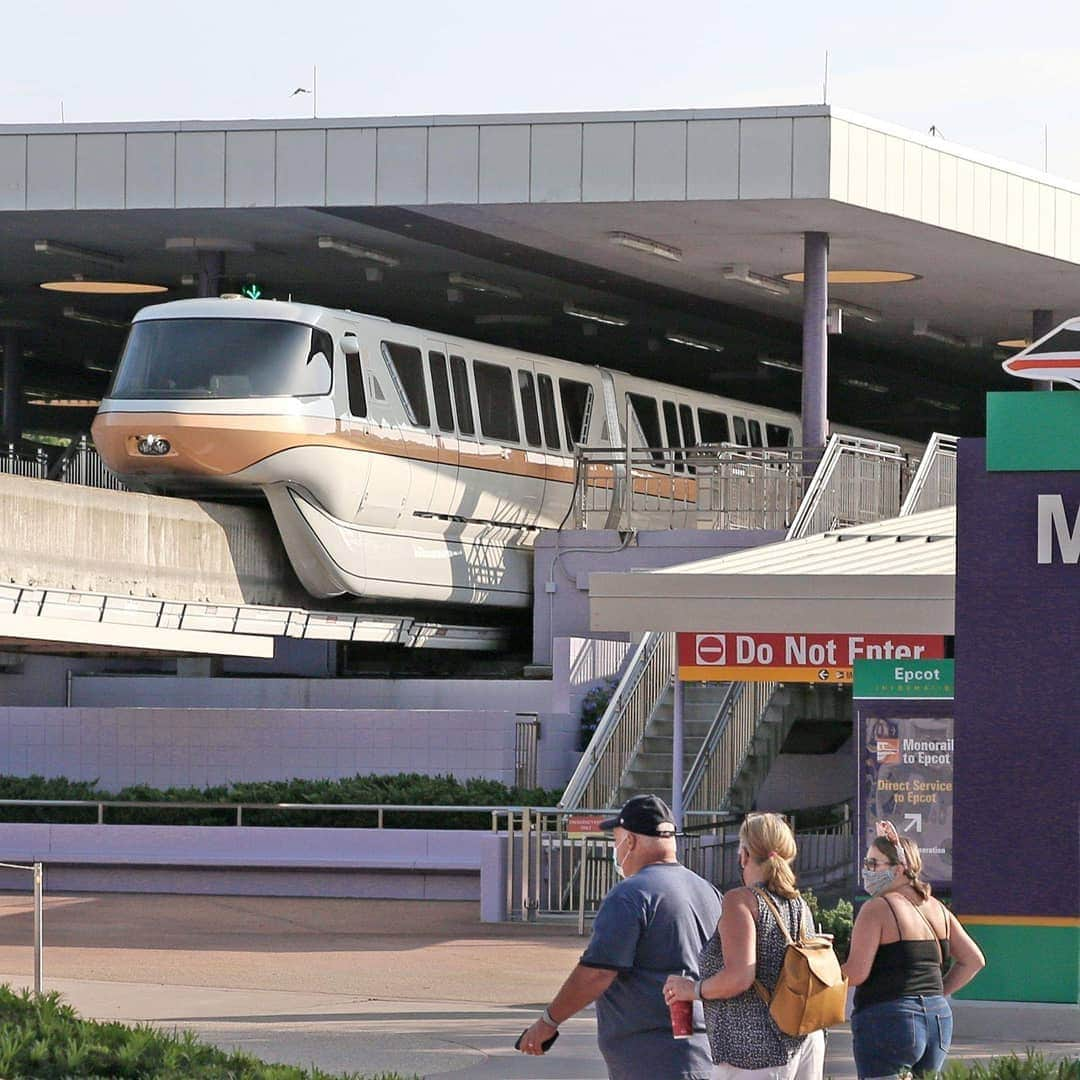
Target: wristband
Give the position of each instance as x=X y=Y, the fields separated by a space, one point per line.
x=697 y=990
x=548 y=1018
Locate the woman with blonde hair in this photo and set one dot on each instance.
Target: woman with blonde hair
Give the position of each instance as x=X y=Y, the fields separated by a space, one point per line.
x=901 y=1020
x=749 y=945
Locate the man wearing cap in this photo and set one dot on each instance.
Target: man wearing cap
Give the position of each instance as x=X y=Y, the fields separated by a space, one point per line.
x=652 y=924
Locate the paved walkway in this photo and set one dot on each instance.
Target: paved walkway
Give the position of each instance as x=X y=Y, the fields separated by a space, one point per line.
x=418 y=988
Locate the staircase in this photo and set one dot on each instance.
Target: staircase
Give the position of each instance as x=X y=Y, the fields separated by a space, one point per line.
x=649 y=771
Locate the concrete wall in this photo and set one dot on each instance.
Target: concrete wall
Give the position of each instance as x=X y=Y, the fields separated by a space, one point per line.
x=70 y=537
x=567 y=559
x=800 y=780
x=167 y=747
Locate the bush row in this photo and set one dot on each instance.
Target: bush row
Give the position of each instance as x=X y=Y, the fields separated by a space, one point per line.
x=411 y=789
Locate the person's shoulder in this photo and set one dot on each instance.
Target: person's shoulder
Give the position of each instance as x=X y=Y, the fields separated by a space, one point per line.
x=741 y=896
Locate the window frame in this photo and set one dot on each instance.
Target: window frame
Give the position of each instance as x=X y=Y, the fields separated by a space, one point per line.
x=395 y=378
x=497 y=366
x=432 y=354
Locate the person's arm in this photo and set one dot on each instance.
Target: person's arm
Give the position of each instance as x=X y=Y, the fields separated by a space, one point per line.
x=582 y=987
x=865 y=938
x=738 y=938
x=968 y=959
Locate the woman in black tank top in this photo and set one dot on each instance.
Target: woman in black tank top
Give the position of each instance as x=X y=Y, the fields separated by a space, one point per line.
x=901 y=946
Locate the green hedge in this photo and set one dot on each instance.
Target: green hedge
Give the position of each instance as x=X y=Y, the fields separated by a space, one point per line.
x=410 y=789
x=837 y=921
x=1032 y=1066
x=44 y=1039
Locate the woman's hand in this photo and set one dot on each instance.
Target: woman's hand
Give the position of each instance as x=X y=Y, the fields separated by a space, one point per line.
x=678 y=989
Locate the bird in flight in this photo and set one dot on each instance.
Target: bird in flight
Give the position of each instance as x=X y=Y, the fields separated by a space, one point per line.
x=300 y=90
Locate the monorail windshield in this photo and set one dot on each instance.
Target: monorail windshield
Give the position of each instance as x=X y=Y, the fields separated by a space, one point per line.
x=223 y=358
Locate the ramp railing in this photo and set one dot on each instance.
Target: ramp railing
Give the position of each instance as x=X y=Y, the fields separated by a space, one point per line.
x=619 y=731
x=39 y=890
x=81 y=464
x=934 y=483
x=34 y=465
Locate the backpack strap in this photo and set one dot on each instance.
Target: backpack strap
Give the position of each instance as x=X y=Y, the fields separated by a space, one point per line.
x=764 y=994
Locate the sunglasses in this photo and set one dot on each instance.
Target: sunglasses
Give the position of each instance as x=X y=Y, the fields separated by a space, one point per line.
x=873 y=864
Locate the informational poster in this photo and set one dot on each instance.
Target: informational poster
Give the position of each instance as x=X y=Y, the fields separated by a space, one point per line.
x=906 y=766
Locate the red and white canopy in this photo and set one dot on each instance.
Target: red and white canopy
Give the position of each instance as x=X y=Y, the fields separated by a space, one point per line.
x=1055 y=357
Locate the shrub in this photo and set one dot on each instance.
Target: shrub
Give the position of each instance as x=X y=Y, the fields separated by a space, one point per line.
x=593 y=705
x=410 y=789
x=45 y=1039
x=1033 y=1066
x=837 y=921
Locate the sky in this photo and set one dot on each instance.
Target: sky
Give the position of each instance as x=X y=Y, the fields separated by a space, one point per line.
x=1000 y=77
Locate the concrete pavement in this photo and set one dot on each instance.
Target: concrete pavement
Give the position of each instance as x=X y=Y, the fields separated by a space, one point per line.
x=416 y=987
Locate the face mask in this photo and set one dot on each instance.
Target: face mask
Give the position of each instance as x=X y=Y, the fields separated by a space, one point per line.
x=873 y=881
x=615 y=859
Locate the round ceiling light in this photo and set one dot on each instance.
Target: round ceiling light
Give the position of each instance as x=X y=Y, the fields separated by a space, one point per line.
x=859 y=277
x=103 y=288
x=1015 y=343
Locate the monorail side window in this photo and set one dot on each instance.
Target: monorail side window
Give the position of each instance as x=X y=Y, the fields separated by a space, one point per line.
x=440 y=391
x=549 y=413
x=714 y=426
x=689 y=436
x=755 y=433
x=577 y=407
x=527 y=390
x=674 y=439
x=740 y=431
x=648 y=418
x=778 y=435
x=495 y=401
x=407 y=371
x=459 y=373
x=354 y=375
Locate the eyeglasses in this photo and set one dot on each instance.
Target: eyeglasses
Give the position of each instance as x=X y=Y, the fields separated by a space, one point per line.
x=873 y=864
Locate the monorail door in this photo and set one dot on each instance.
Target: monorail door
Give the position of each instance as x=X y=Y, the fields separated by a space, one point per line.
x=446 y=428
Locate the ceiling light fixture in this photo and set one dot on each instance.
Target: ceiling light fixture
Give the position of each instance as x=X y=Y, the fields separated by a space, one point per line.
x=346 y=247
x=1015 y=343
x=693 y=342
x=53 y=247
x=643 y=243
x=103 y=288
x=922 y=328
x=857 y=311
x=465 y=281
x=935 y=403
x=783 y=365
x=512 y=320
x=94 y=365
x=96 y=320
x=858 y=277
x=207 y=244
x=742 y=273
x=67 y=403
x=595 y=316
x=869 y=387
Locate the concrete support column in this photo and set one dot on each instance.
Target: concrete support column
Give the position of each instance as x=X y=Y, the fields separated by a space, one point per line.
x=1042 y=322
x=815 y=354
x=211 y=272
x=13 y=384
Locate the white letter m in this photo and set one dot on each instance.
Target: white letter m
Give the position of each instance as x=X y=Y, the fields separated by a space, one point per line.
x=1054 y=523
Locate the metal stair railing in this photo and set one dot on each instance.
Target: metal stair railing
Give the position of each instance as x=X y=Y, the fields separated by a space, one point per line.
x=726 y=748
x=620 y=730
x=934 y=484
x=857 y=481
x=81 y=464
x=34 y=465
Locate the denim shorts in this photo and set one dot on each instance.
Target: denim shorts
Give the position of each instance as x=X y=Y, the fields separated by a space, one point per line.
x=909 y=1033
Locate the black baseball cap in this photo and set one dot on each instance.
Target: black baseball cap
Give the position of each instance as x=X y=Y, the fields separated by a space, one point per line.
x=647 y=815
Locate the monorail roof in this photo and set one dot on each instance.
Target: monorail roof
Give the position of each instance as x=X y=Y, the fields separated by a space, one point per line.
x=529 y=204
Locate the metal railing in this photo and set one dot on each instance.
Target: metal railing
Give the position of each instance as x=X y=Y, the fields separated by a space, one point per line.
x=856 y=482
x=81 y=464
x=618 y=734
x=704 y=487
x=934 y=483
x=39 y=890
x=526 y=750
x=35 y=465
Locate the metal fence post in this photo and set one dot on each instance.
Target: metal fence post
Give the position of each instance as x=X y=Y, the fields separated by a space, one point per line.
x=38 y=959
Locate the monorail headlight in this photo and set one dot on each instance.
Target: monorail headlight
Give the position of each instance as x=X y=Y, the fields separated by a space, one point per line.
x=153 y=445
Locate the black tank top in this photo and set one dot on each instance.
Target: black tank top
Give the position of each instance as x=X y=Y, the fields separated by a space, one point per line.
x=903 y=969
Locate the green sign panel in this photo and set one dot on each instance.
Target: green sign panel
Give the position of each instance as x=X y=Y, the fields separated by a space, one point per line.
x=1033 y=432
x=922 y=680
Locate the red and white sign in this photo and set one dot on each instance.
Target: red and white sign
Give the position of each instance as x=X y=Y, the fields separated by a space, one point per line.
x=795 y=657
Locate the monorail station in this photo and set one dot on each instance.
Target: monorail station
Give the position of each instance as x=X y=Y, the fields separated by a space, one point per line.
x=603 y=453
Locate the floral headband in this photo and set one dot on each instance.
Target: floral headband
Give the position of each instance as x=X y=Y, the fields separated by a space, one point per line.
x=888 y=831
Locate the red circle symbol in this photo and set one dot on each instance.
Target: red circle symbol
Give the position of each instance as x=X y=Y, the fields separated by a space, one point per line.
x=711 y=649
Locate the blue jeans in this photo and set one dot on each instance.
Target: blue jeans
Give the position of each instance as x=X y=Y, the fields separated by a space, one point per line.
x=909 y=1033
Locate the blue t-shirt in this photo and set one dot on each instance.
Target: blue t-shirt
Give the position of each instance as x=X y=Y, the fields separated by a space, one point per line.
x=650 y=926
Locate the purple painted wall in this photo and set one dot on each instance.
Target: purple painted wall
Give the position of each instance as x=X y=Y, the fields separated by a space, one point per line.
x=1017 y=697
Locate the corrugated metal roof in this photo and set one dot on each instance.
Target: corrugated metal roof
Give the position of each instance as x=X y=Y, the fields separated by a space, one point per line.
x=916 y=544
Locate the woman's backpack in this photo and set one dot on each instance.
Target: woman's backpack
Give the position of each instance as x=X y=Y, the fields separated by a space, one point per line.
x=810 y=992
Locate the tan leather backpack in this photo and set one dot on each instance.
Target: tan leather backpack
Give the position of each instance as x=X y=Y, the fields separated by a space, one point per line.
x=810 y=992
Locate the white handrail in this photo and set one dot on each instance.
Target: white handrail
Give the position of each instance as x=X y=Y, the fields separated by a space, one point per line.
x=934 y=483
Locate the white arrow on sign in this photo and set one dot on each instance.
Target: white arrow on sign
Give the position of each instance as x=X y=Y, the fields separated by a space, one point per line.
x=914 y=822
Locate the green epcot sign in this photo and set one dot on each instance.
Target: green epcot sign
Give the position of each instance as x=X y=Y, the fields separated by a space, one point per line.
x=925 y=680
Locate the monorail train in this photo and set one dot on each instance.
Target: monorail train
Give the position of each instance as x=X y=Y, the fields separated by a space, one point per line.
x=399 y=464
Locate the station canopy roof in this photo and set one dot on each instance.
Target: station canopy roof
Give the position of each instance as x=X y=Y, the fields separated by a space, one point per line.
x=895 y=576
x=678 y=224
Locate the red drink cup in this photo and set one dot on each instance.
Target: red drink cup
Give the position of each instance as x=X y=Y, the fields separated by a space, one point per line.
x=682 y=1019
